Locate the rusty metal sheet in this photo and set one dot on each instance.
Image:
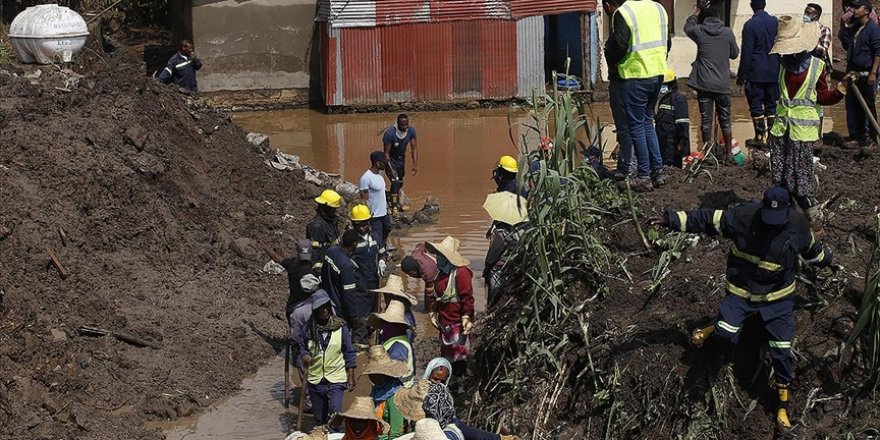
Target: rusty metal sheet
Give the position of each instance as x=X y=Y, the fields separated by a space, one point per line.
x=330 y=65
x=466 y=53
x=361 y=65
x=432 y=63
x=527 y=8
x=498 y=61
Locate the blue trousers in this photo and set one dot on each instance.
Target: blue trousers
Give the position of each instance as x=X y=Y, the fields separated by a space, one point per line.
x=326 y=400
x=762 y=98
x=625 y=163
x=640 y=98
x=778 y=318
x=474 y=433
x=383 y=225
x=856 y=120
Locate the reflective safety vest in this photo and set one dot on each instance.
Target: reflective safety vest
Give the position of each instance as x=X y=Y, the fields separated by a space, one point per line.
x=327 y=363
x=799 y=115
x=648 y=39
x=410 y=365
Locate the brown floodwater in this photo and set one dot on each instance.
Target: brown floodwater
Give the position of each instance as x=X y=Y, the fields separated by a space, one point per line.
x=457 y=151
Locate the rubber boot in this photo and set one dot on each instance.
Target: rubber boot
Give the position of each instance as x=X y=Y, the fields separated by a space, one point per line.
x=699 y=336
x=395 y=205
x=782 y=410
x=760 y=139
x=509 y=437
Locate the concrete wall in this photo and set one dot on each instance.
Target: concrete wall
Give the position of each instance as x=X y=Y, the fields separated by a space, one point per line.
x=255 y=45
x=684 y=51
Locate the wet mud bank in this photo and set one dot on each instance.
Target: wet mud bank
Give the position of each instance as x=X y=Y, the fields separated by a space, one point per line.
x=135 y=209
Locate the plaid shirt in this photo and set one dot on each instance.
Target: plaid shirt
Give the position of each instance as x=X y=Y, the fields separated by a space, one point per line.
x=822 y=50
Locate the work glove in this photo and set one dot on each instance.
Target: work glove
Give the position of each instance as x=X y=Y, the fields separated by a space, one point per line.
x=383 y=268
x=435 y=320
x=843 y=86
x=739 y=156
x=466 y=325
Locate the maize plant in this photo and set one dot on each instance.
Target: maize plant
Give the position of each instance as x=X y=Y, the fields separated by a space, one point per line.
x=868 y=323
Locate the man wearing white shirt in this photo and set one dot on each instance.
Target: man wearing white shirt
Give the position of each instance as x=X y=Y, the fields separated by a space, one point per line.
x=372 y=187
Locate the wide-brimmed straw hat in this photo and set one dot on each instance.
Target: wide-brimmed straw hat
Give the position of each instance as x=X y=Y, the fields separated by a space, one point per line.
x=394 y=314
x=380 y=363
x=426 y=429
x=409 y=400
x=361 y=408
x=394 y=287
x=795 y=36
x=449 y=249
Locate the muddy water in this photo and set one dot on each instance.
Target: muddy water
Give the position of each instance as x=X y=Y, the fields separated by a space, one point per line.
x=457 y=151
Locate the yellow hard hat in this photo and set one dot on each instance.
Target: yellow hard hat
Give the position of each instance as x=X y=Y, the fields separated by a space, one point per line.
x=330 y=198
x=669 y=76
x=360 y=213
x=508 y=163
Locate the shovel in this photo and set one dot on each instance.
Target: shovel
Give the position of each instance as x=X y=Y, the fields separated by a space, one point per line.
x=855 y=89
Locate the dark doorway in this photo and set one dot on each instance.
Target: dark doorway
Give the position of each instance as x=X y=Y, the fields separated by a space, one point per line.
x=563 y=39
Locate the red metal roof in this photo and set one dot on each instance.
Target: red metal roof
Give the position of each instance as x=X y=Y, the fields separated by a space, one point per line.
x=527 y=8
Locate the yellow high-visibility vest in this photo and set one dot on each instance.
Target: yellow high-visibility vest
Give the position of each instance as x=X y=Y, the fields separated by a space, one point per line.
x=648 y=25
x=327 y=363
x=799 y=115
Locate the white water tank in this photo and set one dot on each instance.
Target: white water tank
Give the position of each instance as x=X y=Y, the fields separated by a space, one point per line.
x=48 y=33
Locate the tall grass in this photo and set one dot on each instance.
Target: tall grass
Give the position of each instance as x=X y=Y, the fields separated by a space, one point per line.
x=868 y=323
x=558 y=267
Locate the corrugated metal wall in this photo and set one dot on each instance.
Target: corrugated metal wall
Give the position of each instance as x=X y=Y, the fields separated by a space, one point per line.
x=475 y=59
x=370 y=13
x=530 y=53
x=527 y=8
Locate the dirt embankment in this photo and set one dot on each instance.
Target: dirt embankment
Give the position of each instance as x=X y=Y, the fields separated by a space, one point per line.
x=157 y=207
x=632 y=372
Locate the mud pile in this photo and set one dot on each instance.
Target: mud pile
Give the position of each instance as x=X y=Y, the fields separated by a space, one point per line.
x=157 y=208
x=628 y=369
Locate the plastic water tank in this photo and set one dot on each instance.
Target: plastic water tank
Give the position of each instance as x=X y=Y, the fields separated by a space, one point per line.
x=48 y=33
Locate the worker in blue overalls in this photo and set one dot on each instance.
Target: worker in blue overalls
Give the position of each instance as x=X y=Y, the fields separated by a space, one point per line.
x=181 y=68
x=767 y=239
x=370 y=258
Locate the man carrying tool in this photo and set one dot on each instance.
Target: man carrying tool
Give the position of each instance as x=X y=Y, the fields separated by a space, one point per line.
x=759 y=71
x=323 y=230
x=768 y=238
x=863 y=61
x=395 y=140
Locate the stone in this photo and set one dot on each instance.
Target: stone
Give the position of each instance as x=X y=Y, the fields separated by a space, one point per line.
x=347 y=190
x=58 y=335
x=260 y=142
x=473 y=105
x=4 y=232
x=136 y=136
x=245 y=248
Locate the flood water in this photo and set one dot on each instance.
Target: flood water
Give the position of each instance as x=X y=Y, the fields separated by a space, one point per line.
x=457 y=151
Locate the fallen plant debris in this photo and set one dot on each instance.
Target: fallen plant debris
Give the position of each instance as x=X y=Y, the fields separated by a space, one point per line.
x=582 y=350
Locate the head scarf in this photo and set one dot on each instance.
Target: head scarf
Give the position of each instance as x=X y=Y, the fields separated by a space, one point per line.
x=796 y=63
x=435 y=364
x=439 y=404
x=371 y=433
x=381 y=393
x=443 y=264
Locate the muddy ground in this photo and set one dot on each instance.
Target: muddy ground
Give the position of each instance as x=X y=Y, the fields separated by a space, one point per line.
x=638 y=376
x=157 y=207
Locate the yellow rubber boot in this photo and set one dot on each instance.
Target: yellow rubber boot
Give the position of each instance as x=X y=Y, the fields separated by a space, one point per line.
x=395 y=204
x=782 y=413
x=509 y=437
x=699 y=336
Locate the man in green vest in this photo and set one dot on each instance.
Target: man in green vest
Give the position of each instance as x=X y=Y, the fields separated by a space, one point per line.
x=637 y=49
x=329 y=356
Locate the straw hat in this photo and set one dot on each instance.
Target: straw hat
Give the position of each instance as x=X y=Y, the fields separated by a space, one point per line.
x=409 y=400
x=426 y=429
x=380 y=363
x=361 y=408
x=394 y=287
x=449 y=249
x=795 y=36
x=394 y=314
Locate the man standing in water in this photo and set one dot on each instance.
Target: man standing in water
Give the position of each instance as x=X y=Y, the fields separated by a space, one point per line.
x=395 y=139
